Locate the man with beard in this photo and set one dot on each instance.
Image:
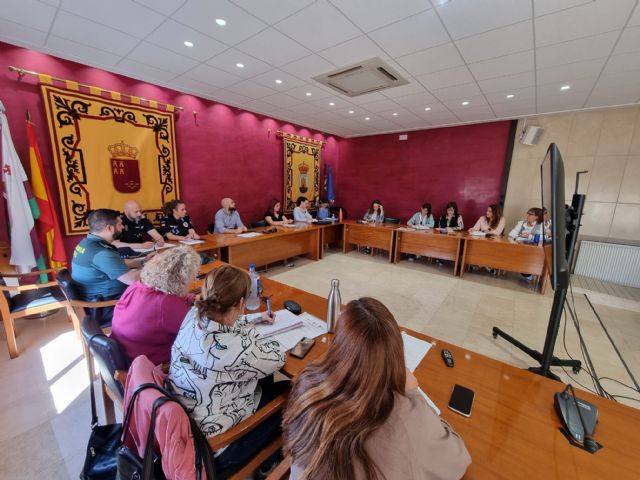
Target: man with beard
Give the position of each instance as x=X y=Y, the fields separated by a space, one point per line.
x=96 y=268
x=227 y=219
x=135 y=226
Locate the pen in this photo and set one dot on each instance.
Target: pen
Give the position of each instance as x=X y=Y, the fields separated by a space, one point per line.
x=269 y=308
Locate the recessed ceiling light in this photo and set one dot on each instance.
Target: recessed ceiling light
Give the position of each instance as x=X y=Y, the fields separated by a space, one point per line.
x=427 y=108
x=367 y=118
x=565 y=87
x=278 y=81
x=511 y=95
x=351 y=111
x=442 y=2
x=331 y=104
x=240 y=65
x=221 y=21
x=308 y=94
x=187 y=43
x=465 y=103
x=395 y=114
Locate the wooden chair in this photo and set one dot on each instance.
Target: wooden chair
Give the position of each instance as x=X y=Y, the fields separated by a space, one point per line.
x=395 y=221
x=258 y=224
x=282 y=471
x=32 y=299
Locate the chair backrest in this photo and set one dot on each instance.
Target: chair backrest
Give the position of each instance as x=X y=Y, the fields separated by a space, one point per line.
x=258 y=224
x=107 y=352
x=67 y=285
x=211 y=227
x=392 y=220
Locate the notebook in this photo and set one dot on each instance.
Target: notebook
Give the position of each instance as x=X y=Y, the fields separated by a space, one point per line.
x=152 y=249
x=285 y=321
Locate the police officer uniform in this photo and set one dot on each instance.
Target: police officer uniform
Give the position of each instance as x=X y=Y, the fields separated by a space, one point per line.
x=133 y=230
x=180 y=226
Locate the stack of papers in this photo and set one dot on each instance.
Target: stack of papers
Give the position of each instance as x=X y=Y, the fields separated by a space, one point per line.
x=289 y=329
x=191 y=242
x=249 y=234
x=152 y=249
x=478 y=233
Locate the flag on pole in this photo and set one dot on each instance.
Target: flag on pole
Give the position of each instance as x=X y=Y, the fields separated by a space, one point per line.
x=47 y=223
x=25 y=248
x=330 y=194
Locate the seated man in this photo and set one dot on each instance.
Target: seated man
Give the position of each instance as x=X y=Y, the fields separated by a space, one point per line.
x=97 y=269
x=227 y=219
x=176 y=225
x=134 y=226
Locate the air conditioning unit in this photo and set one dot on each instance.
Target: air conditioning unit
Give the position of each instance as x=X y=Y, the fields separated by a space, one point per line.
x=531 y=135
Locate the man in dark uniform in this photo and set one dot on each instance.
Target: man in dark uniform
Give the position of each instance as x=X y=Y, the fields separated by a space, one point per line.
x=176 y=225
x=135 y=226
x=96 y=268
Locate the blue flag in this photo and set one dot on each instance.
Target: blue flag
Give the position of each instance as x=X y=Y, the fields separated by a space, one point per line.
x=330 y=195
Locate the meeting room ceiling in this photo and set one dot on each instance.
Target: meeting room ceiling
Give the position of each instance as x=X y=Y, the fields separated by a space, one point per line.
x=466 y=60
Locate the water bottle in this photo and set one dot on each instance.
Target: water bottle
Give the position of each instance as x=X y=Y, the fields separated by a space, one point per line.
x=536 y=239
x=333 y=305
x=253 y=302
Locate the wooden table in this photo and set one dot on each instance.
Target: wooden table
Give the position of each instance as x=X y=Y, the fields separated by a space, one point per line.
x=331 y=234
x=429 y=243
x=513 y=429
x=374 y=235
x=505 y=254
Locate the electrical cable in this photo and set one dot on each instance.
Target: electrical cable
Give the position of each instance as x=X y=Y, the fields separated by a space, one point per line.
x=621 y=383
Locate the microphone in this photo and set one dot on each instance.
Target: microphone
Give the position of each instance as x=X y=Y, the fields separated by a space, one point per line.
x=589 y=444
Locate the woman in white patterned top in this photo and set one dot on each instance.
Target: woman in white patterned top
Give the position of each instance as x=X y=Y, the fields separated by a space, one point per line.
x=221 y=367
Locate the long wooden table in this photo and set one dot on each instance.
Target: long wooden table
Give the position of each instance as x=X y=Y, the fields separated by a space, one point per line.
x=374 y=235
x=429 y=243
x=513 y=429
x=505 y=254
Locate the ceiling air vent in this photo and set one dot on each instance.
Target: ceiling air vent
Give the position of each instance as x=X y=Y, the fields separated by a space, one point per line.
x=369 y=76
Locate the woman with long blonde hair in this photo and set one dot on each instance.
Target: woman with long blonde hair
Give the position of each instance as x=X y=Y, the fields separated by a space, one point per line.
x=357 y=413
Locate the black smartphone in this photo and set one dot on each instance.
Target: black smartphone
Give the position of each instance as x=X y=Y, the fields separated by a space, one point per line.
x=302 y=347
x=461 y=400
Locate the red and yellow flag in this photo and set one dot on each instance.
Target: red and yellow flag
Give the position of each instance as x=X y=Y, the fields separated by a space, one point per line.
x=47 y=224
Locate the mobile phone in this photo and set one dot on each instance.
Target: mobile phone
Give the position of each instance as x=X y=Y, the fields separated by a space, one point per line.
x=302 y=347
x=461 y=400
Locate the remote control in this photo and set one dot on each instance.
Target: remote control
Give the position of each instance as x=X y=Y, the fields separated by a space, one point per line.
x=447 y=357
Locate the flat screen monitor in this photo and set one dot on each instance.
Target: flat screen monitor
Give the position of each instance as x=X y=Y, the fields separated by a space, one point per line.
x=552 y=177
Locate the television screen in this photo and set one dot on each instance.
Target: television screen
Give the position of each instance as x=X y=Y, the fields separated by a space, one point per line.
x=552 y=178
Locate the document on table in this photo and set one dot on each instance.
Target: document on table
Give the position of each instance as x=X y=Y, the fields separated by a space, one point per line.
x=414 y=351
x=249 y=234
x=191 y=242
x=310 y=327
x=152 y=249
x=288 y=225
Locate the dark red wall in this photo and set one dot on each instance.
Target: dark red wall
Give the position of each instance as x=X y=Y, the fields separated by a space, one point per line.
x=463 y=164
x=227 y=152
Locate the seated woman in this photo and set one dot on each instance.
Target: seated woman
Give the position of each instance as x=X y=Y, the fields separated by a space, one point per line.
x=323 y=210
x=148 y=316
x=357 y=413
x=176 y=224
x=492 y=222
x=221 y=367
x=300 y=213
x=423 y=218
x=375 y=214
x=451 y=219
x=526 y=229
x=274 y=216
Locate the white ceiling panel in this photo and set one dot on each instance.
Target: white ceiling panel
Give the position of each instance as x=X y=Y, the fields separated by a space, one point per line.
x=635 y=18
x=446 y=78
x=166 y=7
x=516 y=108
x=380 y=106
x=562 y=73
x=273 y=47
x=583 y=21
x=268 y=79
x=519 y=95
x=18 y=34
x=172 y=35
x=159 y=57
x=419 y=100
x=315 y=90
x=282 y=100
x=544 y=7
x=212 y=76
x=188 y=84
x=496 y=43
x=93 y=34
x=82 y=53
x=251 y=89
x=629 y=41
x=415 y=33
x=614 y=81
x=626 y=62
x=443 y=118
x=308 y=67
x=559 y=103
x=201 y=15
x=568 y=52
x=352 y=51
x=139 y=22
x=308 y=108
x=141 y=71
x=457 y=91
x=367 y=18
x=403 y=90
x=464 y=18
x=577 y=85
x=232 y=98
x=228 y=59
x=431 y=60
x=34 y=14
x=507 y=82
x=501 y=66
x=477 y=102
x=309 y=27
x=272 y=11
x=367 y=98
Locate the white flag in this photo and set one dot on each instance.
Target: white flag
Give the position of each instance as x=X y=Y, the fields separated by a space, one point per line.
x=20 y=217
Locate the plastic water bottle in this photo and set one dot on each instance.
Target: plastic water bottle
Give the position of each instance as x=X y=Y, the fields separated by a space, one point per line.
x=253 y=302
x=334 y=304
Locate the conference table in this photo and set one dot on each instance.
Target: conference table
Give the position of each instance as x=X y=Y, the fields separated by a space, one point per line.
x=373 y=235
x=513 y=431
x=429 y=243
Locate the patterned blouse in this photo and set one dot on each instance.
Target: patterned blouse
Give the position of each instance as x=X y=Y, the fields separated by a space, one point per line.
x=215 y=370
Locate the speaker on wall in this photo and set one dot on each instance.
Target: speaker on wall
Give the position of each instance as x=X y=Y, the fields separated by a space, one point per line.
x=531 y=135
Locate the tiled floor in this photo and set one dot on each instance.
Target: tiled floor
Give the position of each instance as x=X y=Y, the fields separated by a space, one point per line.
x=44 y=404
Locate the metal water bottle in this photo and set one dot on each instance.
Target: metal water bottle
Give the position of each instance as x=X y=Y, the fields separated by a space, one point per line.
x=333 y=305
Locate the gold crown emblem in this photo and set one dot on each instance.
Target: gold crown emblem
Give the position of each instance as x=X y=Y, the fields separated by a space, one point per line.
x=120 y=150
x=303 y=167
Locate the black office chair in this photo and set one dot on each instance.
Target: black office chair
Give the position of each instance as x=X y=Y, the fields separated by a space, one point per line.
x=110 y=359
x=258 y=224
x=395 y=221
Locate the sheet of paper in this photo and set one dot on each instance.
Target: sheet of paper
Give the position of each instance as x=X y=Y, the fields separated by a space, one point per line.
x=249 y=234
x=147 y=250
x=191 y=242
x=288 y=225
x=285 y=320
x=478 y=233
x=311 y=327
x=429 y=401
x=414 y=350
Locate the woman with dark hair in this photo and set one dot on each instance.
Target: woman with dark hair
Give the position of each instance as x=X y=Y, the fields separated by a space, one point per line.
x=452 y=218
x=423 y=218
x=357 y=413
x=221 y=367
x=300 y=213
x=274 y=216
x=375 y=214
x=492 y=222
x=176 y=224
